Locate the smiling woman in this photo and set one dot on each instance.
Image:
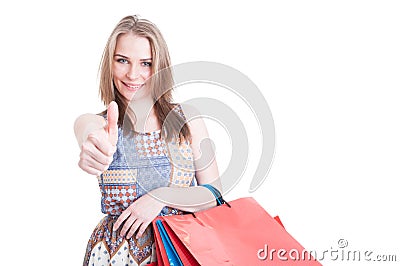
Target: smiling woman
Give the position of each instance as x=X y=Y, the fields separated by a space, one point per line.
x=142 y=150
x=132 y=65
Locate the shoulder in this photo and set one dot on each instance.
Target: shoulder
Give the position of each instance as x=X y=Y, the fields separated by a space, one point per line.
x=186 y=110
x=194 y=119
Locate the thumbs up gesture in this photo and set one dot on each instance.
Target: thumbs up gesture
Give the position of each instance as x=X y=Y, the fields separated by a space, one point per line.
x=99 y=145
x=112 y=123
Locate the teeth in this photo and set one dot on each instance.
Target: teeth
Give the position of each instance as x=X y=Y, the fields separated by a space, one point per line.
x=133 y=87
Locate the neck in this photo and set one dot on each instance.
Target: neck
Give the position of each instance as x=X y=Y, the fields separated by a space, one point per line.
x=146 y=119
x=142 y=108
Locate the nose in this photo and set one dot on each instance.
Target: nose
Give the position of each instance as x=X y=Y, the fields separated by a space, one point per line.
x=133 y=72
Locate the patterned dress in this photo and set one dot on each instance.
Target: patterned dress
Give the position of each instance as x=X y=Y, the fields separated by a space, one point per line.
x=142 y=162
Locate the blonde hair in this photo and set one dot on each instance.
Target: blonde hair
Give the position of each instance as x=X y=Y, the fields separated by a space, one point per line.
x=160 y=83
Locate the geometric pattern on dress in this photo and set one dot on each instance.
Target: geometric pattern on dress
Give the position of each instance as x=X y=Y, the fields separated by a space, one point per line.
x=182 y=163
x=155 y=175
x=106 y=247
x=118 y=197
x=149 y=144
x=119 y=190
x=117 y=176
x=181 y=157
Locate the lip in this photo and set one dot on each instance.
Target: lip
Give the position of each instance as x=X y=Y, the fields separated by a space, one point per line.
x=132 y=87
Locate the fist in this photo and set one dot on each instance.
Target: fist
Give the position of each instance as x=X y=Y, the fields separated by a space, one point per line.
x=98 y=148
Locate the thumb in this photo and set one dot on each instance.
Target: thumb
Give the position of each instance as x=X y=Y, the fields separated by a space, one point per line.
x=112 y=122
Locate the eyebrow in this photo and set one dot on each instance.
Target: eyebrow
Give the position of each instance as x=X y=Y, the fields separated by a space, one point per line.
x=123 y=56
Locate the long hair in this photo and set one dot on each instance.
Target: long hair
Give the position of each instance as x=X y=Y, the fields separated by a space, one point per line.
x=160 y=83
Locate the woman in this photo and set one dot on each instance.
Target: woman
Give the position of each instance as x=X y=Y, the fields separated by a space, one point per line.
x=146 y=156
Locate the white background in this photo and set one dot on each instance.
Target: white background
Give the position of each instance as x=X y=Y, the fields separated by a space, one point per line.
x=328 y=70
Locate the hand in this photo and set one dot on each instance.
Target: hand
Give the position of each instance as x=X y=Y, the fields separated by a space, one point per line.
x=100 y=145
x=138 y=216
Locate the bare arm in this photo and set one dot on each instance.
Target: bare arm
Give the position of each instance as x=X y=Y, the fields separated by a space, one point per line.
x=195 y=198
x=97 y=140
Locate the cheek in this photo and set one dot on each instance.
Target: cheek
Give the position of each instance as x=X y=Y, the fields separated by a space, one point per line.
x=117 y=71
x=146 y=73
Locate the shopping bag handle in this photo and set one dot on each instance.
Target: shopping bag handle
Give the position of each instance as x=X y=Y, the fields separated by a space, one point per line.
x=218 y=197
x=217 y=194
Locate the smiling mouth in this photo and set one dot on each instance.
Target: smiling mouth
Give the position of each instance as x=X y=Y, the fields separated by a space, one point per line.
x=132 y=87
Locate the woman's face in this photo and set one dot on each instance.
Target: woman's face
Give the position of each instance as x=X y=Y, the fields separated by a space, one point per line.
x=132 y=65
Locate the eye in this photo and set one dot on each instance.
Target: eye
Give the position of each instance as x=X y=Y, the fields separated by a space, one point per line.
x=122 y=61
x=146 y=64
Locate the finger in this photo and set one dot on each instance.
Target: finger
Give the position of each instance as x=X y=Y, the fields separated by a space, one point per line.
x=86 y=160
x=101 y=142
x=124 y=215
x=89 y=170
x=95 y=165
x=90 y=152
x=112 y=122
x=142 y=229
x=128 y=225
x=133 y=229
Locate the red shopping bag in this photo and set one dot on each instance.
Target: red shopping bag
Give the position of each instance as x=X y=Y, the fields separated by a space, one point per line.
x=242 y=233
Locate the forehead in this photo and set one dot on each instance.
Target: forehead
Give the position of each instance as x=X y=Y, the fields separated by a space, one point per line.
x=131 y=45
